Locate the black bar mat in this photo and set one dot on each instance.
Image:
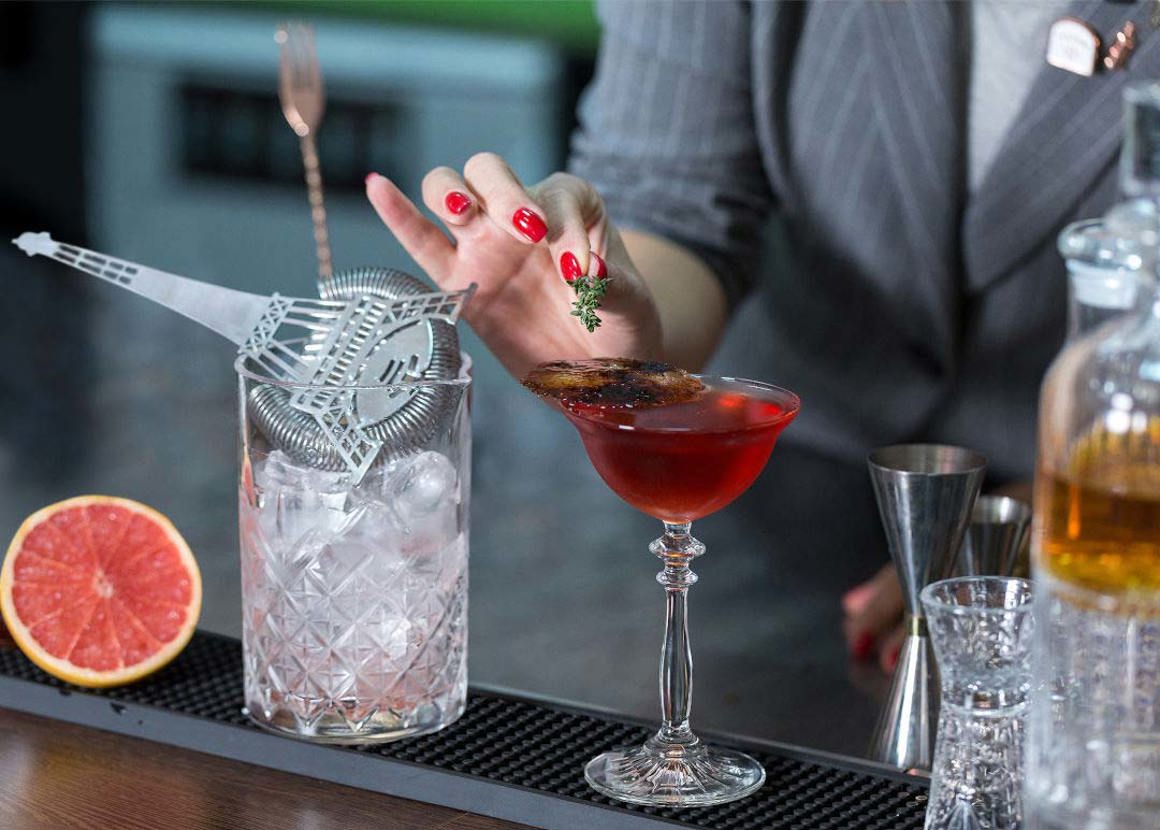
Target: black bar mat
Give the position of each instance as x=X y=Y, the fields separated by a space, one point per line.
x=507 y=757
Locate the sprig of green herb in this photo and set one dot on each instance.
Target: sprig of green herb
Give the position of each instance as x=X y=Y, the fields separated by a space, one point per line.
x=589 y=291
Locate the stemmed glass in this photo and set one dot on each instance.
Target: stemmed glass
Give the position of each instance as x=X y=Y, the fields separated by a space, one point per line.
x=678 y=462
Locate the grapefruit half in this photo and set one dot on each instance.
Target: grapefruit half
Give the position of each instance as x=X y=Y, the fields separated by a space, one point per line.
x=99 y=591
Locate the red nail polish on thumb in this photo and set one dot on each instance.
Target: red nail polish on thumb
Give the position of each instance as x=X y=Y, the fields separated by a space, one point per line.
x=569 y=266
x=597 y=266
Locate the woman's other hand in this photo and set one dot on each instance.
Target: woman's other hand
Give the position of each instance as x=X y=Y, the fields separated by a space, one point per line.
x=873 y=619
x=522 y=246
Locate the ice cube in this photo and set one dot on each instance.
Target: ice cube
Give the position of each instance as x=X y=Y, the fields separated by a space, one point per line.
x=423 y=484
x=376 y=527
x=423 y=492
x=296 y=500
x=280 y=470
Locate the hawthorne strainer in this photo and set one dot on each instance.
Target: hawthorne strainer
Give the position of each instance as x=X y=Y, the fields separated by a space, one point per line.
x=371 y=327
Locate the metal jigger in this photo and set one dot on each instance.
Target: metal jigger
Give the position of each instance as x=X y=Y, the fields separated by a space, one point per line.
x=996 y=537
x=925 y=493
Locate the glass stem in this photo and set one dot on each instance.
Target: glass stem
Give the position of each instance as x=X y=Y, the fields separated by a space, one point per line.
x=676 y=548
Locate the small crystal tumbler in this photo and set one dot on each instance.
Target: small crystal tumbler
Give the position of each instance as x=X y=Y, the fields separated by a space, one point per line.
x=982 y=631
x=354 y=586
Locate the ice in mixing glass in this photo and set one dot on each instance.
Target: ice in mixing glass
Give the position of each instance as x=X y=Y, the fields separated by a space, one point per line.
x=355 y=594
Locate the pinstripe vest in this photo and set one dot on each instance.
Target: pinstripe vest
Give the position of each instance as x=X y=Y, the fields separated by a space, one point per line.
x=900 y=308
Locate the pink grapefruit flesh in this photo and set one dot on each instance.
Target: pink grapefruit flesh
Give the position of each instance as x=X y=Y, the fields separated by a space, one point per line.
x=99 y=590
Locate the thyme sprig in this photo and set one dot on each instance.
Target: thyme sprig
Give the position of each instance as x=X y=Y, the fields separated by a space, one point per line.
x=589 y=291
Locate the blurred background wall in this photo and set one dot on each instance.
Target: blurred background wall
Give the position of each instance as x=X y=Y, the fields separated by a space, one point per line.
x=153 y=132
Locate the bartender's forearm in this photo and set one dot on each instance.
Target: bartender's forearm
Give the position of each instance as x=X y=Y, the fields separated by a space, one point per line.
x=690 y=300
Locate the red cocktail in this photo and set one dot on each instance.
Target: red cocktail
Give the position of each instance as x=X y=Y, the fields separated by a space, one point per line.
x=682 y=461
x=677 y=447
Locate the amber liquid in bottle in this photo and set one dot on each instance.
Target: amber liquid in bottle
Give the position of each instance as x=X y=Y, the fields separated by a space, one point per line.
x=1100 y=517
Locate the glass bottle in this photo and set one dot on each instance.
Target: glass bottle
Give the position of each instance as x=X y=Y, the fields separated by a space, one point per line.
x=1094 y=748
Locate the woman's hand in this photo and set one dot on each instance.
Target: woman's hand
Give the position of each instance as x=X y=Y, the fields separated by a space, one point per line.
x=520 y=245
x=873 y=619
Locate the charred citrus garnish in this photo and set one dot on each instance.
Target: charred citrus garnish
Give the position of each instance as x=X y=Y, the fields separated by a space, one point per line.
x=613 y=382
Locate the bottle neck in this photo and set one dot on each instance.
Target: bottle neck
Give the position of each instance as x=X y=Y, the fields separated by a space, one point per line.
x=1097 y=294
x=1110 y=263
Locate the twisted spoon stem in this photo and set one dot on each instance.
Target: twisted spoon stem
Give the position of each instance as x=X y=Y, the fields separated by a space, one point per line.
x=317 y=208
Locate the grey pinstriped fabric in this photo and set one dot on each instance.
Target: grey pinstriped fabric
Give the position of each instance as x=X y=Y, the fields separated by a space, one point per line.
x=901 y=308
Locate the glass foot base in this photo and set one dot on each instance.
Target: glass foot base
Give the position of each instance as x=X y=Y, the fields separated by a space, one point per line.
x=662 y=775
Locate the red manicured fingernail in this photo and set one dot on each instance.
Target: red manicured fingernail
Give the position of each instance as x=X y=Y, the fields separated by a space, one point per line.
x=892 y=660
x=569 y=266
x=457 y=202
x=529 y=224
x=598 y=264
x=862 y=645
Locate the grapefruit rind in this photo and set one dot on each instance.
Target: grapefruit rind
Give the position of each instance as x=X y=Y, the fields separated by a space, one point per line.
x=63 y=669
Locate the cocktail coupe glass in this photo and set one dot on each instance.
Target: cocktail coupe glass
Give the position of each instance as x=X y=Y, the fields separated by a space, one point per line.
x=677 y=463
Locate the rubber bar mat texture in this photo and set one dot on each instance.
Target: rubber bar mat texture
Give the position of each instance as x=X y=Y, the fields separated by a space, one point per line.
x=507 y=757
